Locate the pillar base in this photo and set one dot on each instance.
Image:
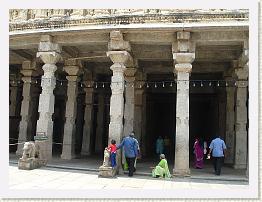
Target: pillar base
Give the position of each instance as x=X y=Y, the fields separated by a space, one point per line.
x=68 y=156
x=181 y=173
x=240 y=166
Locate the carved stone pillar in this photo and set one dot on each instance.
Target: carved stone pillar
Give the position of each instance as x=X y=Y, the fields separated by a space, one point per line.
x=13 y=97
x=121 y=60
x=25 y=126
x=183 y=58
x=138 y=113
x=100 y=123
x=50 y=54
x=230 y=121
x=22 y=15
x=88 y=118
x=241 y=114
x=129 y=100
x=73 y=69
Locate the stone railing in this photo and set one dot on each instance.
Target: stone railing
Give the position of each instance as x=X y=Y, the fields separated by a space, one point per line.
x=28 y=19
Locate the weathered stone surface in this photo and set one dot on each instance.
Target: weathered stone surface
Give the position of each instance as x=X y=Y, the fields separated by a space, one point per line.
x=46 y=100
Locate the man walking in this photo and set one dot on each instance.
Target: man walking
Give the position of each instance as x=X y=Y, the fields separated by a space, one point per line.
x=218 y=149
x=131 y=152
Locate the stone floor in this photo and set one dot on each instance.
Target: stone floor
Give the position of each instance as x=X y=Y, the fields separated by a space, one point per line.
x=91 y=165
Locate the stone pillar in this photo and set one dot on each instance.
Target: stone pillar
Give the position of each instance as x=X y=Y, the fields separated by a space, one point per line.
x=88 y=118
x=230 y=120
x=129 y=108
x=119 y=54
x=49 y=53
x=100 y=123
x=13 y=97
x=144 y=116
x=138 y=114
x=183 y=58
x=73 y=69
x=241 y=140
x=25 y=126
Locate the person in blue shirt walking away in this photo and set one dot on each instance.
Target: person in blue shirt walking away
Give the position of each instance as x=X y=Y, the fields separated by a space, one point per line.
x=218 y=149
x=131 y=152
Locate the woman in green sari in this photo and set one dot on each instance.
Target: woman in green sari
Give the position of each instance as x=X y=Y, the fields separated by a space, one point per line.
x=161 y=170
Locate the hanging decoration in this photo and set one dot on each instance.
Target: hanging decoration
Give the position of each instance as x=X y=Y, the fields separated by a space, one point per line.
x=138 y=84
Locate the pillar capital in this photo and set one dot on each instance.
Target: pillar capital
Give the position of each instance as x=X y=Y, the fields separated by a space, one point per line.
x=122 y=57
x=49 y=52
x=130 y=73
x=117 y=42
x=184 y=67
x=184 y=57
x=241 y=73
x=73 y=67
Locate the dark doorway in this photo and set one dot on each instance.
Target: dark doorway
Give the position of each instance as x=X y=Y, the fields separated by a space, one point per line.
x=161 y=112
x=203 y=116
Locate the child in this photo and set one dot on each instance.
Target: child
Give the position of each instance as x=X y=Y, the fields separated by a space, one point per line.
x=112 y=149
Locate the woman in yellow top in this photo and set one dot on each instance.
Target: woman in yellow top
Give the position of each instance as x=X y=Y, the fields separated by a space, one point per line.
x=161 y=170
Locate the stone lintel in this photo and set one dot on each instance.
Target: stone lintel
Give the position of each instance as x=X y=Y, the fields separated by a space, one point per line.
x=184 y=57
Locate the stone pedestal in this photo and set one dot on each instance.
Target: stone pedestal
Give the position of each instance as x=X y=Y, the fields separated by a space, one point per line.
x=183 y=58
x=73 y=69
x=50 y=55
x=88 y=118
x=29 y=164
x=107 y=172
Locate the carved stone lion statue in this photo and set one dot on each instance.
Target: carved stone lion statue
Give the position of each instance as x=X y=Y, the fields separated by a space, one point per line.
x=106 y=161
x=30 y=150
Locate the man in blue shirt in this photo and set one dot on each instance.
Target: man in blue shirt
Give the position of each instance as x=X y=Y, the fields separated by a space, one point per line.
x=218 y=149
x=131 y=152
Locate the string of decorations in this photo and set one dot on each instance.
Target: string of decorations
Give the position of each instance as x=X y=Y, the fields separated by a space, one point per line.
x=140 y=83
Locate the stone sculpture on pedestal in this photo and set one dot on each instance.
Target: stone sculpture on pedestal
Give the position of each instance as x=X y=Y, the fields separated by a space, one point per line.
x=31 y=157
x=106 y=170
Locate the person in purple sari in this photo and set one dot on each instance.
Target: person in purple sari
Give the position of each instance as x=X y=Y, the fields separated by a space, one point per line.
x=199 y=155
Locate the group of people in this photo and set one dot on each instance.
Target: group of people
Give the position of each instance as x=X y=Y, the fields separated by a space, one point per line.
x=132 y=151
x=218 y=150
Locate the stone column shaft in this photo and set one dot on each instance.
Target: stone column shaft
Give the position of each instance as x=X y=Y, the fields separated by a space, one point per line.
x=25 y=126
x=13 y=99
x=181 y=166
x=230 y=119
x=88 y=118
x=129 y=101
x=68 y=151
x=50 y=55
x=138 y=114
x=100 y=124
x=241 y=124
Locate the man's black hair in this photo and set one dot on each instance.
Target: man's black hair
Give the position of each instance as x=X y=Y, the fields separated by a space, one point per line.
x=113 y=141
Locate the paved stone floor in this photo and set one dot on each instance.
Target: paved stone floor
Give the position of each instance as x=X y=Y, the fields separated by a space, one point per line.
x=60 y=179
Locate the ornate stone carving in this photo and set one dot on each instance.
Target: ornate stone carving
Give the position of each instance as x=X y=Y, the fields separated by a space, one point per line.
x=31 y=157
x=106 y=161
x=106 y=170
